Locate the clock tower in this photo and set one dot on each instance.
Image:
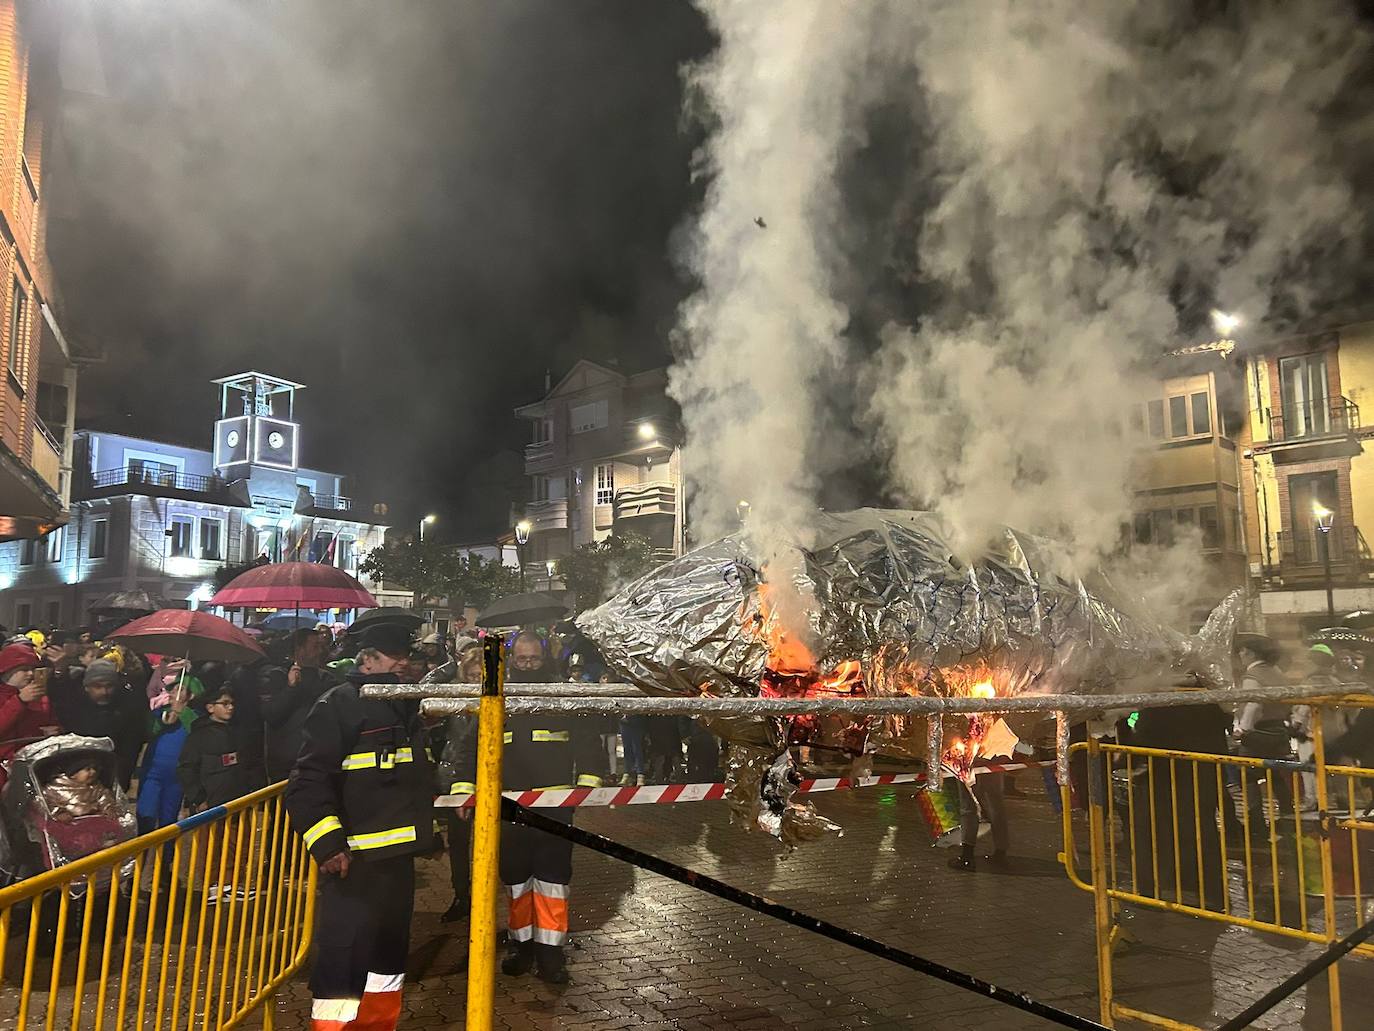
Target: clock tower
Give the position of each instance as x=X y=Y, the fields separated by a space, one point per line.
x=257 y=427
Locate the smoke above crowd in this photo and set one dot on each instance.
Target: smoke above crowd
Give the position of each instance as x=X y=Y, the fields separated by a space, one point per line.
x=941 y=242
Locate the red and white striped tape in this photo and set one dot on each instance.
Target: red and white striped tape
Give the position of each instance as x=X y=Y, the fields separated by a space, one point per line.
x=668 y=794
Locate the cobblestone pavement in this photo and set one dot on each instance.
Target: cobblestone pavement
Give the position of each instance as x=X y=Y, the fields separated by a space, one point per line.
x=654 y=954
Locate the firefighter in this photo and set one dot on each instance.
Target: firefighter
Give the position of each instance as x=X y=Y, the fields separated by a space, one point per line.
x=360 y=794
x=541 y=751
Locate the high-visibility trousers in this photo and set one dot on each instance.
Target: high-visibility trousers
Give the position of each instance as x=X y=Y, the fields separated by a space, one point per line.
x=362 y=937
x=536 y=869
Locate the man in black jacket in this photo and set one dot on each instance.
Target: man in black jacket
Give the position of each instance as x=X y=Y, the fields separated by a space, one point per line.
x=285 y=710
x=361 y=797
x=542 y=751
x=100 y=704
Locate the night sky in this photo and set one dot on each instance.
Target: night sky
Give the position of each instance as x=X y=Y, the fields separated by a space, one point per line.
x=414 y=208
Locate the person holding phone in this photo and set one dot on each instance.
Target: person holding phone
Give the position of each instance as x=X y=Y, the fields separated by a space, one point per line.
x=25 y=712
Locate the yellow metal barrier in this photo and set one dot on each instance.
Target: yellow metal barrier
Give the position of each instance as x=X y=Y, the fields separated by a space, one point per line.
x=195 y=925
x=486 y=840
x=1234 y=839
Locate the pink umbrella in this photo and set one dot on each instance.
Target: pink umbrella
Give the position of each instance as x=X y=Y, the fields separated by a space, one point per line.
x=295 y=585
x=190 y=635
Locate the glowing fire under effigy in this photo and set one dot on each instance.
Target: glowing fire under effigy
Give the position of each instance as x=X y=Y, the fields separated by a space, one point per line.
x=879 y=606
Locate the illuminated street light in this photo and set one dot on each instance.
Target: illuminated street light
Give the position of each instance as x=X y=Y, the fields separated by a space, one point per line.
x=647 y=431
x=1324 y=517
x=427 y=521
x=522 y=532
x=1225 y=322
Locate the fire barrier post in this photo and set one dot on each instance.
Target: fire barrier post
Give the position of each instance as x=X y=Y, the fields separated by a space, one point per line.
x=486 y=839
x=1102 y=904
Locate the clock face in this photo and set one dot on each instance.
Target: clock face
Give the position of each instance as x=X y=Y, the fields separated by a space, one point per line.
x=275 y=439
x=233 y=439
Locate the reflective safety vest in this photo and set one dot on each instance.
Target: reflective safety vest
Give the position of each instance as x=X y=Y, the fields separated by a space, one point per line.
x=541 y=752
x=364 y=776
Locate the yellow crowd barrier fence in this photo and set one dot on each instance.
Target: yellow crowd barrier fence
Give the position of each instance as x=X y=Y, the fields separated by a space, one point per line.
x=196 y=925
x=1276 y=846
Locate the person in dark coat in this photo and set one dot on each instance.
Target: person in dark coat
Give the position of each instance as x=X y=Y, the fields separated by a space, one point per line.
x=221 y=759
x=100 y=704
x=361 y=796
x=285 y=711
x=1186 y=728
x=543 y=750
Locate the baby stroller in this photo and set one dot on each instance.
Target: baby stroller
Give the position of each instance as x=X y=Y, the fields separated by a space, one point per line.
x=37 y=839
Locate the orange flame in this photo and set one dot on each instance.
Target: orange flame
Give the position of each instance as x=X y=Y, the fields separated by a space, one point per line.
x=982 y=689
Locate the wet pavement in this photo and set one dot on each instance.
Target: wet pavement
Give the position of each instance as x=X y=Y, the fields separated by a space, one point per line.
x=652 y=953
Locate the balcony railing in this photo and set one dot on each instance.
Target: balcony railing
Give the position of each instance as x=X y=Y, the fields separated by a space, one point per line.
x=332 y=502
x=156 y=475
x=1300 y=551
x=547 y=515
x=642 y=499
x=1326 y=417
x=47 y=457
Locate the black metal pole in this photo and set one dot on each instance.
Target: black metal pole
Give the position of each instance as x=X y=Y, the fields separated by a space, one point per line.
x=1326 y=568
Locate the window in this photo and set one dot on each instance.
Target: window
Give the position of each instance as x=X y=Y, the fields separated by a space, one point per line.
x=541 y=488
x=28 y=552
x=23 y=615
x=1306 y=494
x=1142 y=527
x=1211 y=528
x=1162 y=526
x=54 y=613
x=605 y=484
x=211 y=536
x=1178 y=417
x=55 y=544
x=1156 y=410
x=1303 y=394
x=1202 y=413
x=543 y=431
x=19 y=321
x=588 y=417
x=346 y=552
x=99 y=542
x=180 y=530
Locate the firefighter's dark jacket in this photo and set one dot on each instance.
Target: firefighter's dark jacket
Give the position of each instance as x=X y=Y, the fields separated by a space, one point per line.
x=541 y=751
x=364 y=776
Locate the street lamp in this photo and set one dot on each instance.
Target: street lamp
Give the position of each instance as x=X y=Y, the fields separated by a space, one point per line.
x=1324 y=517
x=551 y=567
x=427 y=521
x=742 y=510
x=1225 y=322
x=522 y=537
x=647 y=431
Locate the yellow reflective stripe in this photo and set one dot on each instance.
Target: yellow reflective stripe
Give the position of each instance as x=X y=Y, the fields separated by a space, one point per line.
x=548 y=735
x=381 y=839
x=463 y=787
x=552 y=787
x=369 y=760
x=508 y=737
x=587 y=780
x=315 y=833
x=405 y=755
x=359 y=761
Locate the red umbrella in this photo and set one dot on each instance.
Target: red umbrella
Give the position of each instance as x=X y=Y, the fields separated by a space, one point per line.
x=189 y=635
x=299 y=585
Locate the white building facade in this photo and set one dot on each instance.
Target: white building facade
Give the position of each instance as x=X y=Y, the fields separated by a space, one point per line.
x=166 y=518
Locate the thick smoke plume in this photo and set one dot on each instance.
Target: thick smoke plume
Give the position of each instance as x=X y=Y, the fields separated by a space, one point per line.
x=1082 y=182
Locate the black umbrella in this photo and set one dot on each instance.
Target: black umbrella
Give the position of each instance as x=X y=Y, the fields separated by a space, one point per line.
x=123 y=602
x=386 y=615
x=1345 y=635
x=1360 y=619
x=520 y=609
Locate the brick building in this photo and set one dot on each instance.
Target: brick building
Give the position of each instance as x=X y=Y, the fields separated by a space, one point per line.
x=38 y=396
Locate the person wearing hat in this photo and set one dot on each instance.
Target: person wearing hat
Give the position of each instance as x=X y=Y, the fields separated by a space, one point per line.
x=361 y=796
x=100 y=704
x=1262 y=727
x=25 y=711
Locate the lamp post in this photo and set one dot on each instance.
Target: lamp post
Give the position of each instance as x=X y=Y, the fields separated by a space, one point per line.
x=551 y=567
x=522 y=537
x=1324 y=517
x=428 y=520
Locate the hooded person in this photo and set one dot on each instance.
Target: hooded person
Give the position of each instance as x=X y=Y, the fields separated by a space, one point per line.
x=100 y=704
x=25 y=711
x=542 y=751
x=361 y=797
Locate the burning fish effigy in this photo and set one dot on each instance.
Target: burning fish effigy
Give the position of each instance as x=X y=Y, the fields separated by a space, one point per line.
x=879 y=605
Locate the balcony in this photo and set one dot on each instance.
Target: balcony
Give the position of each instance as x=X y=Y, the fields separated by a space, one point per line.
x=547 y=515
x=1300 y=555
x=1309 y=430
x=658 y=498
x=47 y=456
x=538 y=455
x=154 y=479
x=324 y=503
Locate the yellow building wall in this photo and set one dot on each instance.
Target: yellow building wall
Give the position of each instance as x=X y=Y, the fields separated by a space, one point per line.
x=1356 y=358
